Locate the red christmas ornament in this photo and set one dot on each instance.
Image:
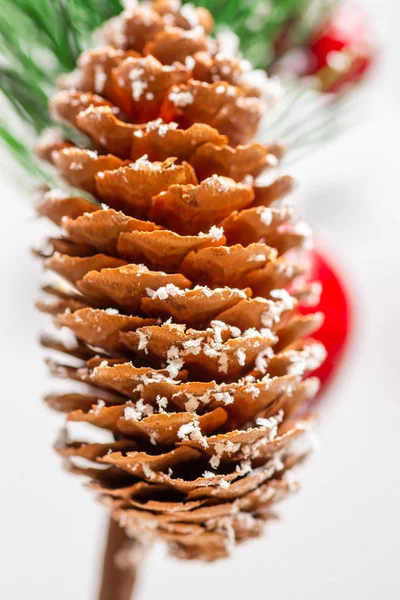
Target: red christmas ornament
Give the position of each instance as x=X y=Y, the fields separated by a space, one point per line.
x=342 y=50
x=334 y=303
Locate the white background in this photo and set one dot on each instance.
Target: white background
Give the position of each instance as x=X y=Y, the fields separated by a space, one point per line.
x=340 y=537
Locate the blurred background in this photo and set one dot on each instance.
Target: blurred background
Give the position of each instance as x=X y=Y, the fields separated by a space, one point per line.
x=340 y=536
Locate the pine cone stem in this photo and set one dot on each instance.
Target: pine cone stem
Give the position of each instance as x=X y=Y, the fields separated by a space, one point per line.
x=122 y=559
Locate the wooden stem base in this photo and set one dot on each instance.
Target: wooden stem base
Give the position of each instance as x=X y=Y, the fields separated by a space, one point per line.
x=120 y=567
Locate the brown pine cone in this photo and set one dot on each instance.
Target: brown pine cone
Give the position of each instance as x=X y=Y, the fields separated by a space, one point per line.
x=179 y=310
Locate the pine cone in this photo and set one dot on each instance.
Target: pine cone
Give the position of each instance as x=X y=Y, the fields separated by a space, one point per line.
x=182 y=290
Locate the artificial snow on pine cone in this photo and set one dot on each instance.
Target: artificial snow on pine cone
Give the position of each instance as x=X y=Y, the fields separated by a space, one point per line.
x=184 y=271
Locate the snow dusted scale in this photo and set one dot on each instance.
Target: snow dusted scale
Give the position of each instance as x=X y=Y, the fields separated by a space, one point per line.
x=179 y=314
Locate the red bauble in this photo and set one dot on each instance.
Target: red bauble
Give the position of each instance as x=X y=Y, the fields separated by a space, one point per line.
x=335 y=305
x=342 y=50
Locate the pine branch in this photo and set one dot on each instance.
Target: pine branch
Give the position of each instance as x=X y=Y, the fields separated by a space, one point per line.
x=45 y=32
x=41 y=39
x=27 y=98
x=260 y=23
x=24 y=156
x=38 y=41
